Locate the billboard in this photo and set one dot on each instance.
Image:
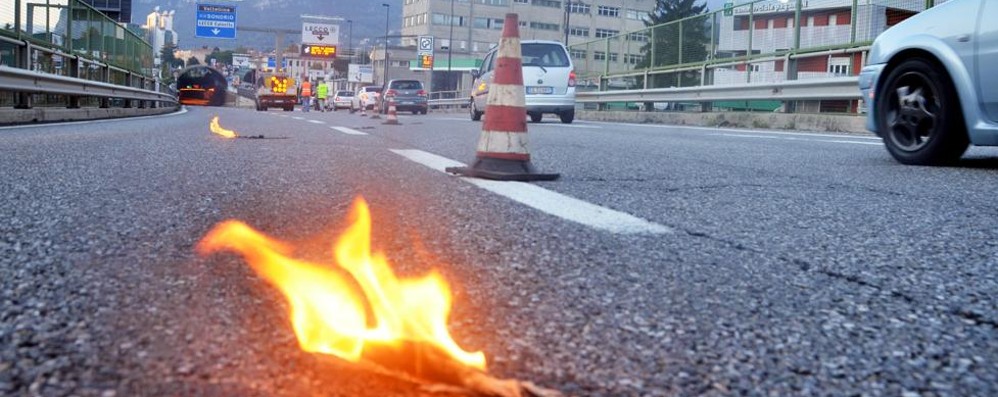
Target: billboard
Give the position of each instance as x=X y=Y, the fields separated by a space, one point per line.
x=360 y=73
x=241 y=60
x=320 y=33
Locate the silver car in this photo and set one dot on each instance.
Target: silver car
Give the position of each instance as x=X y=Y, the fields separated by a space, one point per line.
x=929 y=84
x=548 y=79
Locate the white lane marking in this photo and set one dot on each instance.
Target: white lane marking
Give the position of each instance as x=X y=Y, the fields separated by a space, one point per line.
x=298 y=117
x=550 y=202
x=737 y=130
x=316 y=122
x=182 y=110
x=348 y=131
x=783 y=138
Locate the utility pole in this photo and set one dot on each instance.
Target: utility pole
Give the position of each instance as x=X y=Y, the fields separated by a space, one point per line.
x=385 y=76
x=450 y=46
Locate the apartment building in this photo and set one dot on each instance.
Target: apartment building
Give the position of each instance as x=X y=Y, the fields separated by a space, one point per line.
x=465 y=30
x=769 y=27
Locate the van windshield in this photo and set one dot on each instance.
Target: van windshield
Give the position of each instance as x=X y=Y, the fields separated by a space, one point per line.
x=544 y=54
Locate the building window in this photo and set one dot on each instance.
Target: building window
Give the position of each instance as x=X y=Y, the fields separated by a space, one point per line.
x=602 y=33
x=639 y=36
x=636 y=15
x=445 y=19
x=521 y=1
x=544 y=26
x=578 y=31
x=633 y=58
x=577 y=54
x=579 y=8
x=494 y=2
x=608 y=11
x=838 y=66
x=601 y=56
x=546 y=3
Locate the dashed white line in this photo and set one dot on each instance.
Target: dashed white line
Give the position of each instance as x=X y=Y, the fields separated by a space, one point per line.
x=316 y=122
x=348 y=131
x=298 y=117
x=547 y=201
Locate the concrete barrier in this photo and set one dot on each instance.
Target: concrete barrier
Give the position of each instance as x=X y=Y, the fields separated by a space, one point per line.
x=778 y=121
x=50 y=115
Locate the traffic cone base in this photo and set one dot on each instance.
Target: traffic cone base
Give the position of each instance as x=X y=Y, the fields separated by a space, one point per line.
x=502 y=152
x=502 y=170
x=393 y=118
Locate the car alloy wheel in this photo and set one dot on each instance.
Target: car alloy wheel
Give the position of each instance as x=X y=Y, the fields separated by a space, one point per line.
x=918 y=115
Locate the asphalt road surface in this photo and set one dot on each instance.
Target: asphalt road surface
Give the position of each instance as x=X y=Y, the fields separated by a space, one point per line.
x=667 y=261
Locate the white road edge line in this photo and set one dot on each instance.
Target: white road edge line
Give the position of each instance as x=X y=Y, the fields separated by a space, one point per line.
x=177 y=113
x=348 y=131
x=316 y=122
x=736 y=130
x=547 y=201
x=783 y=138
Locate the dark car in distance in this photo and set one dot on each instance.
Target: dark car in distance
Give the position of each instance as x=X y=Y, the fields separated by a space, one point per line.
x=408 y=95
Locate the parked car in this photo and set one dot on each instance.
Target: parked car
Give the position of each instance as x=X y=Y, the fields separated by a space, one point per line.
x=341 y=100
x=927 y=85
x=548 y=76
x=366 y=98
x=409 y=96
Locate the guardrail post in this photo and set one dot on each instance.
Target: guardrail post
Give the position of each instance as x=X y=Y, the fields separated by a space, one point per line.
x=128 y=82
x=73 y=101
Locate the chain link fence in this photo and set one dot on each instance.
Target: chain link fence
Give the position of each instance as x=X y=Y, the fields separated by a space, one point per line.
x=752 y=42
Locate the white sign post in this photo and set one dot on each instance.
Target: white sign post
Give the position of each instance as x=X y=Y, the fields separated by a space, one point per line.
x=320 y=33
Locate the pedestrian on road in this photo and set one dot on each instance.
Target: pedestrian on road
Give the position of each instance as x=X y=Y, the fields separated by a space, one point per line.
x=323 y=92
x=306 y=94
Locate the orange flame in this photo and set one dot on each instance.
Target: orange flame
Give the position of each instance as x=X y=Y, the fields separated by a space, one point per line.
x=328 y=312
x=216 y=128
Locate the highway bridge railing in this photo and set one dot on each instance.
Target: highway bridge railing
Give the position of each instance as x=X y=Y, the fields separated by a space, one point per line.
x=66 y=54
x=448 y=99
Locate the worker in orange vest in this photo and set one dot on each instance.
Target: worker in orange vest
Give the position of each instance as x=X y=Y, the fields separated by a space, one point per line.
x=305 y=95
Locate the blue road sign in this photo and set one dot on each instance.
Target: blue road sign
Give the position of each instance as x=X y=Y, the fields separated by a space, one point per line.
x=216 y=21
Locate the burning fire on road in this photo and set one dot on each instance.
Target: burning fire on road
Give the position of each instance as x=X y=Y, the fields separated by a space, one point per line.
x=218 y=130
x=363 y=312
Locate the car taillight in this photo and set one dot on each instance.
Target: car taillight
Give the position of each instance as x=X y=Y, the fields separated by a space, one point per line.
x=421 y=93
x=391 y=93
x=571 y=79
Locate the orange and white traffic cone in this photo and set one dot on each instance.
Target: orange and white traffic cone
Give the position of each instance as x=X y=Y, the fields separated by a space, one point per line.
x=502 y=152
x=376 y=111
x=393 y=118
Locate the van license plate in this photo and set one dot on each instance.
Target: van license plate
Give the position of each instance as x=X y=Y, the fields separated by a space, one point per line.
x=540 y=90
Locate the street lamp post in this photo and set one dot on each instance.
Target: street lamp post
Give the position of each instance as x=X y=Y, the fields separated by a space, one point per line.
x=350 y=39
x=450 y=45
x=568 y=18
x=385 y=76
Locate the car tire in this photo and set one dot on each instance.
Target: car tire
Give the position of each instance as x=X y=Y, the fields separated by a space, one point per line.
x=918 y=115
x=475 y=114
x=536 y=117
x=567 y=116
x=424 y=111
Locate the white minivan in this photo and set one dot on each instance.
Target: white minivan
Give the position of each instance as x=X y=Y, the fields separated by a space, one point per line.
x=548 y=78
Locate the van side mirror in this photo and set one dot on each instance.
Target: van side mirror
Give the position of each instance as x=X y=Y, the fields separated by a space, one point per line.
x=475 y=74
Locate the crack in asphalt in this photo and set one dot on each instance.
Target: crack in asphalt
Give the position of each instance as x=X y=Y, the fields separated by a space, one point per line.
x=974 y=318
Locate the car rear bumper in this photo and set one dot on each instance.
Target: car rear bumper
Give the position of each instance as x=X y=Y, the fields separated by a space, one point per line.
x=550 y=103
x=868 y=78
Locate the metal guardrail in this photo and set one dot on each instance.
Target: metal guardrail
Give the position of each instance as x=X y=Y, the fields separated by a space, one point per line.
x=31 y=82
x=447 y=99
x=842 y=88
